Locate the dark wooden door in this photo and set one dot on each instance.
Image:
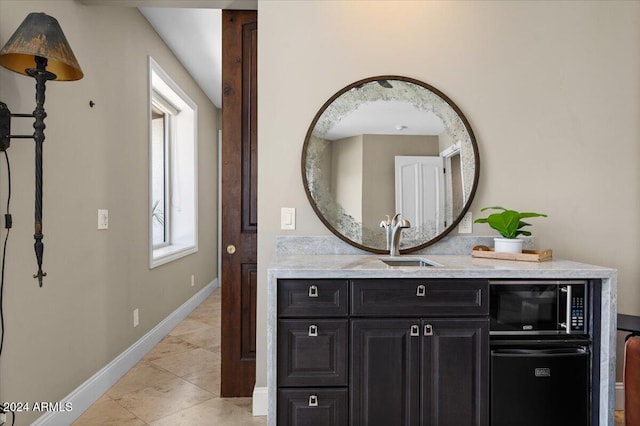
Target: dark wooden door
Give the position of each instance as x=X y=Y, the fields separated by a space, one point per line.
x=455 y=369
x=239 y=201
x=385 y=372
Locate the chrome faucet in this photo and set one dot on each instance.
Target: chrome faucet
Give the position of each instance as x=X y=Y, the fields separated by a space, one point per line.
x=397 y=225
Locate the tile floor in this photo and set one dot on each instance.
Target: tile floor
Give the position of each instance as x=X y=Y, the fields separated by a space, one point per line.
x=176 y=383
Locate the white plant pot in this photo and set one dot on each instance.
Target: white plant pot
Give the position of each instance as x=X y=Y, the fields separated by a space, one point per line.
x=507 y=245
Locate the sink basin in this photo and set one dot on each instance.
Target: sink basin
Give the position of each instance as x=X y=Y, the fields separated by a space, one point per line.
x=408 y=261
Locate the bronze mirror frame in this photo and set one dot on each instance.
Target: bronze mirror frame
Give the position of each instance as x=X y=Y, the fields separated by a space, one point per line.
x=450 y=227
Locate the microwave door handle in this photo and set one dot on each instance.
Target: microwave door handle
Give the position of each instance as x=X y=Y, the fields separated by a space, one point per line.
x=567 y=324
x=569 y=298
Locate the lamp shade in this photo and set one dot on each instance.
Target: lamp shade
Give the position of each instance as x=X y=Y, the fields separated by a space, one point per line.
x=40 y=35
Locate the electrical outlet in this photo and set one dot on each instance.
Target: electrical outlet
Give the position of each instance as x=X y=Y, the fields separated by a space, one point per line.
x=466 y=224
x=193 y=280
x=136 y=317
x=103 y=219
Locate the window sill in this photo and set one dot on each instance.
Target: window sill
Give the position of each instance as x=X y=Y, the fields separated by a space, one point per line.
x=167 y=254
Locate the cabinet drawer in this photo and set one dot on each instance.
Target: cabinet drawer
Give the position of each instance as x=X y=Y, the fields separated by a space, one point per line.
x=312 y=352
x=312 y=407
x=308 y=298
x=419 y=297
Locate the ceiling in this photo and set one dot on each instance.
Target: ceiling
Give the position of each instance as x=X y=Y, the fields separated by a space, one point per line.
x=195 y=38
x=192 y=30
x=393 y=117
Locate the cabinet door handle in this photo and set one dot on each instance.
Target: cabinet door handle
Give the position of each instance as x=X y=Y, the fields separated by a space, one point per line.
x=415 y=330
x=313 y=400
x=428 y=330
x=313 y=331
x=421 y=291
x=313 y=291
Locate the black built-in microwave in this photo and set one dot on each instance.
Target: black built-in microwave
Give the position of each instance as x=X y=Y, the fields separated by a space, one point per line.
x=551 y=307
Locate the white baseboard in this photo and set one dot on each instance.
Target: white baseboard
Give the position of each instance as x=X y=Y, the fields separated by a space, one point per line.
x=619 y=396
x=260 y=401
x=91 y=390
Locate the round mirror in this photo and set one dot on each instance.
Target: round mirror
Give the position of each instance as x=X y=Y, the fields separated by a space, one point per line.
x=387 y=145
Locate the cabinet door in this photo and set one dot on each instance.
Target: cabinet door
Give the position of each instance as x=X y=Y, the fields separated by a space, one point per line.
x=455 y=367
x=312 y=352
x=385 y=376
x=312 y=407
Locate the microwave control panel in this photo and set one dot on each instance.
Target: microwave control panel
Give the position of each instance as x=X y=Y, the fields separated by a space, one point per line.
x=578 y=309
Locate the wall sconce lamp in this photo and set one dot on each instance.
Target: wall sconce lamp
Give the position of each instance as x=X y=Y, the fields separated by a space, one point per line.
x=38 y=49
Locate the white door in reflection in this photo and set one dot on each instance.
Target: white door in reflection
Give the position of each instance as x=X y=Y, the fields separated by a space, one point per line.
x=420 y=193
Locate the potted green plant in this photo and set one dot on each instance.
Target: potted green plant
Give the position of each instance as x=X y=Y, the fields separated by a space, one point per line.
x=509 y=224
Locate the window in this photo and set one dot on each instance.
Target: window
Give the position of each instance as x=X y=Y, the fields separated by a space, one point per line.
x=173 y=171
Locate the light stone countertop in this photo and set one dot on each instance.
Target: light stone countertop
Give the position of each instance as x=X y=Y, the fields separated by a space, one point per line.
x=454 y=266
x=350 y=266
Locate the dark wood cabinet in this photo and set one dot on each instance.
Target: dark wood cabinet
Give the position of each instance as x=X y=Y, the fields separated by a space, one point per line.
x=385 y=372
x=313 y=342
x=455 y=372
x=313 y=352
x=419 y=297
x=312 y=407
x=313 y=298
x=422 y=372
x=383 y=352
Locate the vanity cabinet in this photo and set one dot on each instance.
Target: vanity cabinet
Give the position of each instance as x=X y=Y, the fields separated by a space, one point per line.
x=382 y=352
x=426 y=372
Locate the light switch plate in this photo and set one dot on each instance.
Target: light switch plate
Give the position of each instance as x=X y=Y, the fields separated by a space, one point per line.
x=466 y=224
x=103 y=219
x=288 y=218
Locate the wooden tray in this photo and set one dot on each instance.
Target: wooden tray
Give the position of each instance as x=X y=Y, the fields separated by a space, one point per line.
x=526 y=255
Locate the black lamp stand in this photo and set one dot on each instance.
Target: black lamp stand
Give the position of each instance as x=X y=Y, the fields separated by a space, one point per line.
x=41 y=75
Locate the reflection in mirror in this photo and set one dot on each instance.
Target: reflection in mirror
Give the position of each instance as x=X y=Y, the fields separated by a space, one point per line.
x=387 y=145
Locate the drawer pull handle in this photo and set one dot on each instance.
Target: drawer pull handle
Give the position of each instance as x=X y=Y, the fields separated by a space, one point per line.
x=313 y=291
x=421 y=291
x=428 y=330
x=313 y=400
x=313 y=331
x=415 y=330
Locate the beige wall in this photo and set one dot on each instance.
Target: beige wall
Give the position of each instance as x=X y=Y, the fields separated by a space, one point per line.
x=543 y=84
x=60 y=335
